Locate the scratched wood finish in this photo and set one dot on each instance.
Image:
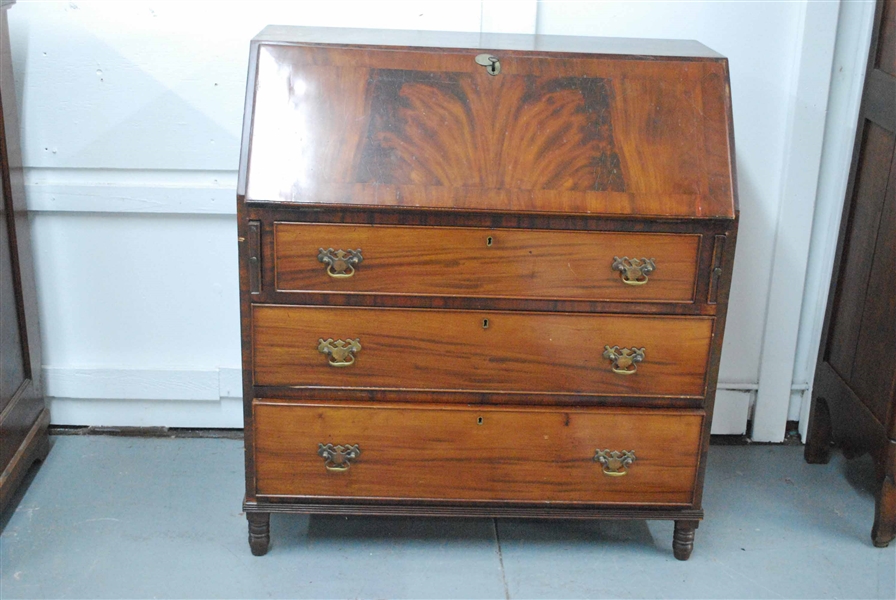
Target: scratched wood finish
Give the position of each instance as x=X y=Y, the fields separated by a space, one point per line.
x=472 y=262
x=433 y=452
x=552 y=134
x=454 y=350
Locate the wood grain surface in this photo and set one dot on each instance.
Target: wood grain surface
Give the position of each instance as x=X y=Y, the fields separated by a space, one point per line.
x=433 y=452
x=550 y=134
x=885 y=60
x=472 y=262
x=876 y=151
x=455 y=350
x=854 y=390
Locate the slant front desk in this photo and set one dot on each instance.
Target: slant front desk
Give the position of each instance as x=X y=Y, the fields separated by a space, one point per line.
x=482 y=275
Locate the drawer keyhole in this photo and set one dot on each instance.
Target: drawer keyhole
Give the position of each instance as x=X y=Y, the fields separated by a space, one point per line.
x=485 y=323
x=488 y=241
x=479 y=421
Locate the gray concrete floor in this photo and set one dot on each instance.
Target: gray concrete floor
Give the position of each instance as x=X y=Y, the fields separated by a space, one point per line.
x=119 y=517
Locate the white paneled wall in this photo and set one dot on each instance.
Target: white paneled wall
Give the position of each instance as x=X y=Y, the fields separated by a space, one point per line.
x=131 y=125
x=131 y=114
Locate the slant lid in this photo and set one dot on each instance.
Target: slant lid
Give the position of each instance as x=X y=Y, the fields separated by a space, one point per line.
x=340 y=117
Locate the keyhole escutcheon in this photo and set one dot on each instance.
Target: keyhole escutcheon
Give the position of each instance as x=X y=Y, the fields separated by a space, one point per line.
x=491 y=63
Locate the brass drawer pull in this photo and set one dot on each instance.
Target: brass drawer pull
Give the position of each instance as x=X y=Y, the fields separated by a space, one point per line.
x=341 y=352
x=624 y=359
x=340 y=263
x=338 y=458
x=614 y=462
x=634 y=270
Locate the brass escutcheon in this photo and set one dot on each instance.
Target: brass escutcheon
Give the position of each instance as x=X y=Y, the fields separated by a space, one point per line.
x=340 y=263
x=341 y=352
x=634 y=270
x=491 y=63
x=614 y=462
x=338 y=458
x=624 y=359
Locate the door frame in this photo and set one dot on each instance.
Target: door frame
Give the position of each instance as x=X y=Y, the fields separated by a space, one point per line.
x=786 y=373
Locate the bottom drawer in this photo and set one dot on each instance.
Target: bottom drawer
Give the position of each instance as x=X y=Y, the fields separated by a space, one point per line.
x=606 y=456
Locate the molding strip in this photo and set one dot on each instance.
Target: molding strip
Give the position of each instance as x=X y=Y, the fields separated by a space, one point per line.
x=131 y=191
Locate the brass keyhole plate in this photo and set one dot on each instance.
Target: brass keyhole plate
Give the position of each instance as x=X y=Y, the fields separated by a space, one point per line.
x=491 y=63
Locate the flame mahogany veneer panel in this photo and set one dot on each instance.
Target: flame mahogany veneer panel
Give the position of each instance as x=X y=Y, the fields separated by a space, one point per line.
x=552 y=134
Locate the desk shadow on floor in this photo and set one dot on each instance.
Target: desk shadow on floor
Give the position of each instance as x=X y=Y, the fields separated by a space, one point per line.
x=298 y=530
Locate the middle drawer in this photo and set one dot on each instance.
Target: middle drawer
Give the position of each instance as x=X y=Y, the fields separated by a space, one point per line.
x=480 y=351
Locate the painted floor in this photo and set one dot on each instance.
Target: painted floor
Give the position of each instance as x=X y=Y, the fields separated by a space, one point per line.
x=119 y=517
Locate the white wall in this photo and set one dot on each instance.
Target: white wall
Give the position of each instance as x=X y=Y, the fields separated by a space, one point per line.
x=131 y=121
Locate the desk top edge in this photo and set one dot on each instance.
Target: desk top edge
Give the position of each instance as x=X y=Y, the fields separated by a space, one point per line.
x=432 y=39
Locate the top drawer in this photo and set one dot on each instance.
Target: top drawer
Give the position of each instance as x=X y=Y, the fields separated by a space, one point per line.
x=474 y=262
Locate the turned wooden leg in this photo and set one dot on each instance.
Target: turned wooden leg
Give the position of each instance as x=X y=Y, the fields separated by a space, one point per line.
x=683 y=539
x=259 y=532
x=884 y=529
x=819 y=435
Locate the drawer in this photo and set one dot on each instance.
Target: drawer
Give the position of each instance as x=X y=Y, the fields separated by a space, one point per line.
x=489 y=454
x=479 y=351
x=474 y=262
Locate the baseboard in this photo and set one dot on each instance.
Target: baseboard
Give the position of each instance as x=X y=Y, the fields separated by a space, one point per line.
x=227 y=413
x=732 y=410
x=142 y=384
